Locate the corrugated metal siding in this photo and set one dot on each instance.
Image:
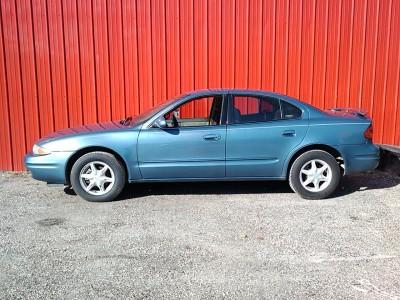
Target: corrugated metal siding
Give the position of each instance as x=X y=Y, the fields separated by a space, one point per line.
x=69 y=62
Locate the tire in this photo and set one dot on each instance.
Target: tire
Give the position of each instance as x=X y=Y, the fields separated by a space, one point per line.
x=98 y=177
x=314 y=183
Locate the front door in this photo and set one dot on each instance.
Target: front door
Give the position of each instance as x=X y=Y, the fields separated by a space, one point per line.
x=191 y=146
x=261 y=133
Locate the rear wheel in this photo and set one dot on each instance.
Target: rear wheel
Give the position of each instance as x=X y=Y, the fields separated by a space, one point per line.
x=314 y=175
x=98 y=177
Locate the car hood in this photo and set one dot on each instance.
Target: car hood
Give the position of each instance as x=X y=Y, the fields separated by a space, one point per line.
x=85 y=129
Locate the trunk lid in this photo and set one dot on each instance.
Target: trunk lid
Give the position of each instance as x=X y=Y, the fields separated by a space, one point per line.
x=352 y=113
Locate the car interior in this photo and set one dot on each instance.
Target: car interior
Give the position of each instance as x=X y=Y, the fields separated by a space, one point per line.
x=246 y=109
x=249 y=109
x=254 y=109
x=185 y=116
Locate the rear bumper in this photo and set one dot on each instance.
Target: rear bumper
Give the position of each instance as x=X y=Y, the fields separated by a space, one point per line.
x=49 y=168
x=360 y=158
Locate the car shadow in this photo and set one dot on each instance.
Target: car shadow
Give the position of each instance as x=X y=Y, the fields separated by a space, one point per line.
x=138 y=190
x=348 y=185
x=366 y=181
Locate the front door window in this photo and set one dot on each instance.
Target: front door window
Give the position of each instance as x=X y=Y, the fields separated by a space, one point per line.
x=194 y=113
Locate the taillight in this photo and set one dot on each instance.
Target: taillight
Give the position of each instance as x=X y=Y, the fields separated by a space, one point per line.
x=369 y=133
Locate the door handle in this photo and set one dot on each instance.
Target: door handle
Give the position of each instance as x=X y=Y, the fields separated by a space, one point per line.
x=211 y=137
x=289 y=133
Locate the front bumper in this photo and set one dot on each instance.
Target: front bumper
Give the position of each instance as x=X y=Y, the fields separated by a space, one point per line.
x=49 y=168
x=360 y=158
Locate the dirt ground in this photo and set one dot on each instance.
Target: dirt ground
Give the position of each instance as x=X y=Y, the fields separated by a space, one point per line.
x=236 y=240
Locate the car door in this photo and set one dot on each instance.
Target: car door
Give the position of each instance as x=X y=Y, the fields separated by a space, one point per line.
x=191 y=146
x=261 y=132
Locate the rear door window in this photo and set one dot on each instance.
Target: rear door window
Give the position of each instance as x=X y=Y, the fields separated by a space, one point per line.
x=249 y=109
x=252 y=109
x=289 y=111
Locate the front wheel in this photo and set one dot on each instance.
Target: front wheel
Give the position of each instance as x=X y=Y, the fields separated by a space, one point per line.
x=314 y=175
x=98 y=177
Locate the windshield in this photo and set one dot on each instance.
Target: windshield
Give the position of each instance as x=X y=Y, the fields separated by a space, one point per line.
x=147 y=114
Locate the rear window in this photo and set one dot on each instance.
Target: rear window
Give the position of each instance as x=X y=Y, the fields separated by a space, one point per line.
x=289 y=111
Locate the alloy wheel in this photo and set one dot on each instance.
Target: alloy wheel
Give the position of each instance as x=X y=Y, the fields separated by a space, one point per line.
x=97 y=178
x=315 y=175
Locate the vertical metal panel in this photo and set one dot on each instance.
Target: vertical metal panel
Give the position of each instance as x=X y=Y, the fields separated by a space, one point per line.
x=307 y=49
x=332 y=65
x=57 y=59
x=214 y=44
x=268 y=45
x=241 y=44
x=345 y=50
x=357 y=54
x=187 y=51
x=382 y=64
x=116 y=52
x=282 y=49
x=320 y=54
x=158 y=45
x=101 y=45
x=42 y=58
x=5 y=137
x=131 y=56
x=86 y=50
x=68 y=62
x=200 y=50
x=228 y=43
x=13 y=82
x=72 y=62
x=28 y=70
x=371 y=45
x=255 y=44
x=145 y=55
x=294 y=47
x=172 y=47
x=391 y=122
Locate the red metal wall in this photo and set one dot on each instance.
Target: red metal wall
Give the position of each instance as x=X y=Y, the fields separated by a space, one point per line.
x=69 y=62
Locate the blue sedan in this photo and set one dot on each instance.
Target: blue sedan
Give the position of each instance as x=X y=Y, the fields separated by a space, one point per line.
x=207 y=136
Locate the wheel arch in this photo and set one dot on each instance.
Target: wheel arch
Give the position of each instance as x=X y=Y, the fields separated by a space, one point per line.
x=330 y=149
x=74 y=157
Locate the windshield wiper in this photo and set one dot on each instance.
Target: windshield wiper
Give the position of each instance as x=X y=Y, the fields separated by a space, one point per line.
x=125 y=122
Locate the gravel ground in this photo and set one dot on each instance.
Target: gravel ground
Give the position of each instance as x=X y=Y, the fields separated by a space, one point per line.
x=209 y=240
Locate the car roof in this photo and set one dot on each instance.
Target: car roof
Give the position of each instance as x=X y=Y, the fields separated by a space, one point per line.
x=232 y=91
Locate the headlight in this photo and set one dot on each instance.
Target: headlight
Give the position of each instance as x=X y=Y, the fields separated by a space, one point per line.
x=37 y=150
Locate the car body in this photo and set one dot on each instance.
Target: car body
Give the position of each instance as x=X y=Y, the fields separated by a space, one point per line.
x=253 y=135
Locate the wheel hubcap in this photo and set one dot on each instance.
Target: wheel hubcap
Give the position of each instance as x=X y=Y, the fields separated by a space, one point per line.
x=315 y=175
x=97 y=178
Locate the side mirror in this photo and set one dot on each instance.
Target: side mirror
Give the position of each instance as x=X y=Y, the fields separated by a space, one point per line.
x=160 y=123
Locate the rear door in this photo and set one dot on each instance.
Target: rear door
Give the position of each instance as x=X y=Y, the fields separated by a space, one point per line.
x=261 y=132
